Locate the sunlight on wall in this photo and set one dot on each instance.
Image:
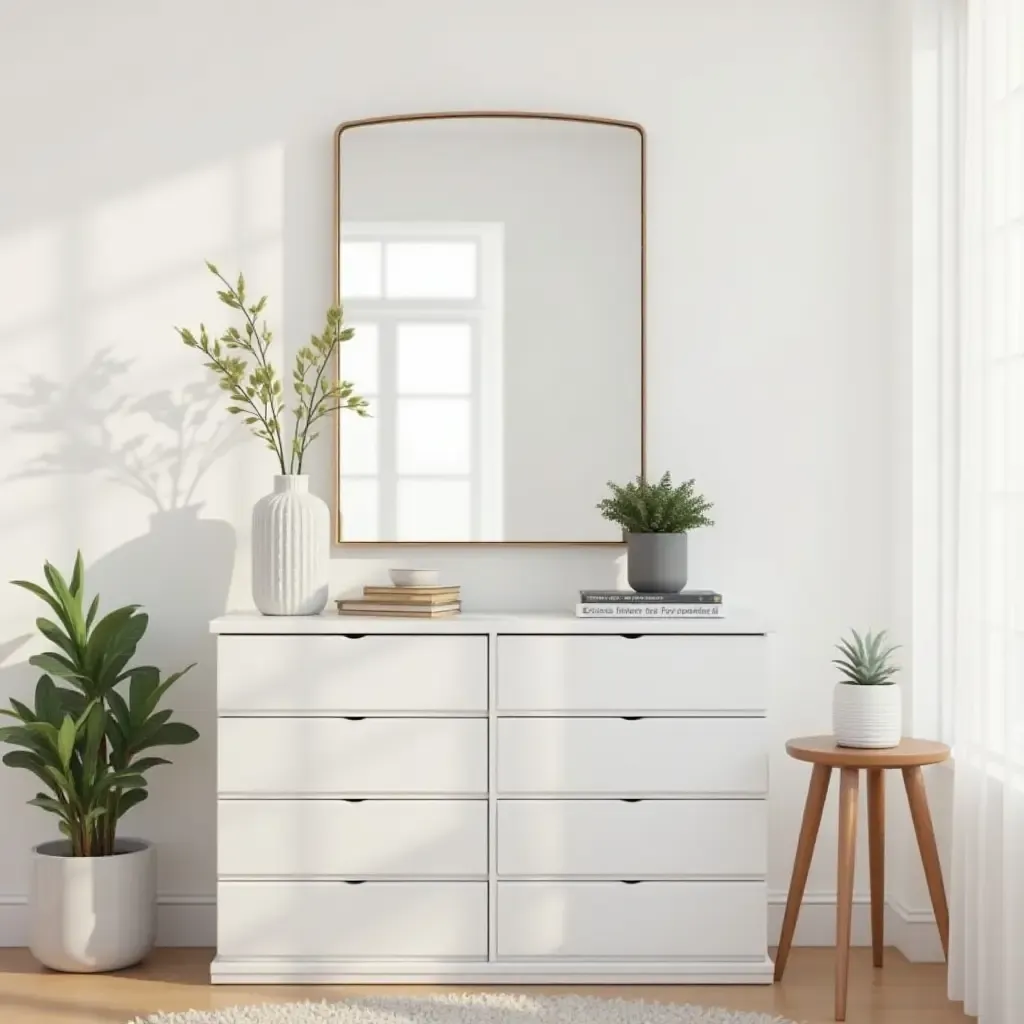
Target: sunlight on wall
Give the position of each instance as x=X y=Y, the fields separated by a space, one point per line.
x=29 y=268
x=117 y=443
x=227 y=208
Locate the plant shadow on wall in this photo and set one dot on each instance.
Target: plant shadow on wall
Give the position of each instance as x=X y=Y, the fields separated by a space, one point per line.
x=158 y=444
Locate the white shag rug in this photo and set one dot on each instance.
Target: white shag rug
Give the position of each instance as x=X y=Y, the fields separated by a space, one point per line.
x=468 y=1008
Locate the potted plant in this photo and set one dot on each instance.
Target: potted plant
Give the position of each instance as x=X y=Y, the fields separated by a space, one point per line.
x=867 y=709
x=94 y=717
x=290 y=527
x=656 y=519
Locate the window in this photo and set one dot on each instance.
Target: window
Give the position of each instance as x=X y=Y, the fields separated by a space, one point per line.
x=426 y=302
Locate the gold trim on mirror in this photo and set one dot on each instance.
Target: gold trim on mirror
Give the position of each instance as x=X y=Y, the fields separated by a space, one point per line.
x=336 y=531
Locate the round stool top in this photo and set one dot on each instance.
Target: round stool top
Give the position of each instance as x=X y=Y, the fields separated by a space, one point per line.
x=909 y=754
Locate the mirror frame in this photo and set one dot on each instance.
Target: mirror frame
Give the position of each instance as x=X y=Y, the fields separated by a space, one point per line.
x=336 y=532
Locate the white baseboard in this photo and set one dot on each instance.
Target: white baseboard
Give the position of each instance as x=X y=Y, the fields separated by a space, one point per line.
x=913 y=933
x=816 y=925
x=180 y=921
x=192 y=921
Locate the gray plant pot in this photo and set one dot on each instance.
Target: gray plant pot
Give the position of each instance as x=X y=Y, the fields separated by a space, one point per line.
x=656 y=562
x=90 y=914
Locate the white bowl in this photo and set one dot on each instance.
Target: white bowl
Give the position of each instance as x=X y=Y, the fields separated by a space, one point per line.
x=414 y=577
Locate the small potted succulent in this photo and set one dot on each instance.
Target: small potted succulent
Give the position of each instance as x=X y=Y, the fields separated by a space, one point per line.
x=88 y=738
x=867 y=708
x=656 y=519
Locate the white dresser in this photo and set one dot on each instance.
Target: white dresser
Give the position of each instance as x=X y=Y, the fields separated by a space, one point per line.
x=491 y=798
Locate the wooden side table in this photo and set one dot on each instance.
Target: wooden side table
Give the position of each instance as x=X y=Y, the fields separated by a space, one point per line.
x=910 y=756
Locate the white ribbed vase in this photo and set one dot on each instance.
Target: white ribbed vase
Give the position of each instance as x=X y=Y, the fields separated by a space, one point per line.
x=870 y=717
x=290 y=539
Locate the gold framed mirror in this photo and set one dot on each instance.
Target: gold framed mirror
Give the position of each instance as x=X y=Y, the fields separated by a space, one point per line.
x=492 y=264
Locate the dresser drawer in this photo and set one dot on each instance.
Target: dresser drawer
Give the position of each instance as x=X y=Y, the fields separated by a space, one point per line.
x=647 y=921
x=361 y=839
x=648 y=756
x=336 y=756
x=351 y=674
x=632 y=839
x=374 y=920
x=689 y=674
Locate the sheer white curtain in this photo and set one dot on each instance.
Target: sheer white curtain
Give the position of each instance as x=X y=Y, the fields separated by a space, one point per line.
x=986 y=620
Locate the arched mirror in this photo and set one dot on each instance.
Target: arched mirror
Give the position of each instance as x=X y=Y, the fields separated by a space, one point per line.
x=492 y=266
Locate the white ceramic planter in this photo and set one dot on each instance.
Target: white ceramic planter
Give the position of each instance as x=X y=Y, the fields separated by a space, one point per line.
x=89 y=914
x=867 y=716
x=290 y=537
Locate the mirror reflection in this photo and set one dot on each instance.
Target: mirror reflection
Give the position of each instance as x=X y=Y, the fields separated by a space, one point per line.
x=492 y=269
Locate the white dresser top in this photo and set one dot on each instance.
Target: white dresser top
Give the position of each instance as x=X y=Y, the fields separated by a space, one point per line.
x=741 y=624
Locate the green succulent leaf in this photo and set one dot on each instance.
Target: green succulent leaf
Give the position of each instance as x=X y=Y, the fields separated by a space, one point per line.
x=865 y=660
x=66 y=742
x=128 y=799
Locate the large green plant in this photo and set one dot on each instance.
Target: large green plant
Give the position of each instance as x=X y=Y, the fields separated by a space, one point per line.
x=865 y=661
x=640 y=507
x=239 y=359
x=83 y=738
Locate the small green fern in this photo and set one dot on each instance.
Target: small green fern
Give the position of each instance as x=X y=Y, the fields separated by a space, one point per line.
x=864 y=661
x=640 y=507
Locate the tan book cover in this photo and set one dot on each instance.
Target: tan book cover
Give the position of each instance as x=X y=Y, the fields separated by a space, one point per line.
x=374 y=591
x=406 y=597
x=372 y=608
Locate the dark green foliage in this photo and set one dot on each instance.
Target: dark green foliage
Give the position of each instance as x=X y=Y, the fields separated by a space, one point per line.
x=640 y=507
x=254 y=387
x=84 y=740
x=864 y=661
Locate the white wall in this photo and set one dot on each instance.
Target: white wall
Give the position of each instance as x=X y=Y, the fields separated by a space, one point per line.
x=139 y=139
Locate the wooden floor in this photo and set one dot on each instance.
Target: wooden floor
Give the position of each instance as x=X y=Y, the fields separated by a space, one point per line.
x=177 y=979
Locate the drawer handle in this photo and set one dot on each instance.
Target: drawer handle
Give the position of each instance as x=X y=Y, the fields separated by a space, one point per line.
x=353 y=636
x=632 y=800
x=632 y=718
x=355 y=718
x=631 y=881
x=631 y=636
x=354 y=881
x=353 y=799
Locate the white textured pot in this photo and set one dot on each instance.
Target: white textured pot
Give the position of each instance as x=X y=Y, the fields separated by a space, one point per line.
x=89 y=914
x=290 y=549
x=867 y=716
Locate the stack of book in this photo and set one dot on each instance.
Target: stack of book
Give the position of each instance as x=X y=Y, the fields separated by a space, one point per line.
x=628 y=604
x=420 y=602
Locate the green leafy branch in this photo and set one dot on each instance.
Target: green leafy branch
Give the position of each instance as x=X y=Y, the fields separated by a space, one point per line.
x=315 y=400
x=240 y=360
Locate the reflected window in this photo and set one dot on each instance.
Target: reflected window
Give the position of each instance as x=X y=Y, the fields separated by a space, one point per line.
x=426 y=302
x=361 y=270
x=431 y=270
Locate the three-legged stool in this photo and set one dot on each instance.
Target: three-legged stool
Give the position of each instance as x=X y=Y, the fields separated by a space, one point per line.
x=824 y=754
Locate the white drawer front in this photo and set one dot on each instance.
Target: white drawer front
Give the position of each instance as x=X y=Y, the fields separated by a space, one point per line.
x=690 y=674
x=344 y=674
x=324 y=756
x=364 y=839
x=627 y=839
x=382 y=920
x=649 y=920
x=649 y=756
